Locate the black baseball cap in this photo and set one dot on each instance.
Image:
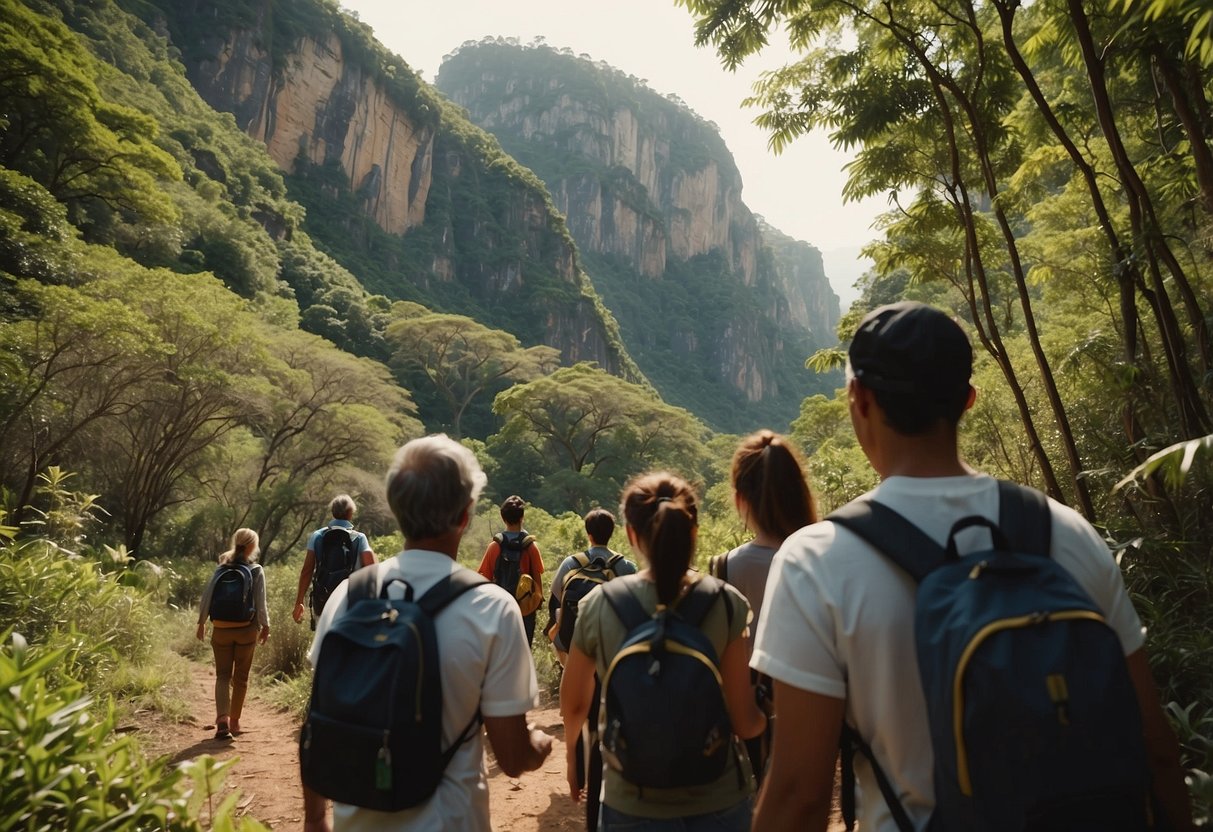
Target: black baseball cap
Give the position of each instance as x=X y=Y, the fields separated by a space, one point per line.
x=911 y=348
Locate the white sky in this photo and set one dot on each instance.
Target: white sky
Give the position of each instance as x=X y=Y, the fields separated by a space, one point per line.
x=798 y=192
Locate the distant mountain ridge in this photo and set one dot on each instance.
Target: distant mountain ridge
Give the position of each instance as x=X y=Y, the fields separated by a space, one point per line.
x=634 y=251
x=719 y=309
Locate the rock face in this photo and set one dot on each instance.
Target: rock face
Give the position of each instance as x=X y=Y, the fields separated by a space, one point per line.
x=649 y=189
x=325 y=109
x=326 y=97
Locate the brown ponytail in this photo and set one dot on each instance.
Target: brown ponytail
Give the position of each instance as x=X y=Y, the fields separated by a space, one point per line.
x=768 y=474
x=662 y=510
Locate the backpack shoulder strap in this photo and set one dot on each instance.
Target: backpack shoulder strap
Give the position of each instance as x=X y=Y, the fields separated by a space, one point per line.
x=892 y=535
x=447 y=590
x=850 y=742
x=499 y=538
x=693 y=607
x=613 y=560
x=718 y=566
x=1023 y=516
x=582 y=559
x=363 y=586
x=626 y=606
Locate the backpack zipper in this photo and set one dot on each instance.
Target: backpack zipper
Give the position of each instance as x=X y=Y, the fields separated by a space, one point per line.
x=1030 y=620
x=673 y=647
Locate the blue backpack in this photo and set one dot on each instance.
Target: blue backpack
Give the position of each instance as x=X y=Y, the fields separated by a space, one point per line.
x=232 y=595
x=666 y=725
x=1034 y=720
x=373 y=732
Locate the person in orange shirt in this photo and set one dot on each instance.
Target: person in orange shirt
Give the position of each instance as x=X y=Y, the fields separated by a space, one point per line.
x=513 y=561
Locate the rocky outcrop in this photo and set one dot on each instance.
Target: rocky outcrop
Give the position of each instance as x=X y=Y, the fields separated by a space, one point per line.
x=322 y=108
x=470 y=231
x=650 y=189
x=801 y=276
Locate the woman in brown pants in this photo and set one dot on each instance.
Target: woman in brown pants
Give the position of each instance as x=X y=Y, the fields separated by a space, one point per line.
x=234 y=599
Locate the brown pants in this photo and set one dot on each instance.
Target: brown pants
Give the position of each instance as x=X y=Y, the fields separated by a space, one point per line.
x=233 y=648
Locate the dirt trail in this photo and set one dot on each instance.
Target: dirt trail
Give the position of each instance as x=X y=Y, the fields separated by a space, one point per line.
x=267 y=770
x=266 y=773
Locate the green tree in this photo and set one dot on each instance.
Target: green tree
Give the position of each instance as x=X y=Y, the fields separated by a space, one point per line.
x=58 y=128
x=595 y=430
x=461 y=358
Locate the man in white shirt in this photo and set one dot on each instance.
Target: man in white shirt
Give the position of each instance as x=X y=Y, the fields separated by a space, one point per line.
x=838 y=635
x=432 y=487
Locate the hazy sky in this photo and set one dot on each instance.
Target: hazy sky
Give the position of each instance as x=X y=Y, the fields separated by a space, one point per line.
x=798 y=192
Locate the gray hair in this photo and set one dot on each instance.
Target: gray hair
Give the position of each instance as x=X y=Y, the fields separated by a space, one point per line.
x=343 y=507
x=429 y=484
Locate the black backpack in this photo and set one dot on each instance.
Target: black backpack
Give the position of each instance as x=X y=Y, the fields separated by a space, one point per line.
x=373 y=734
x=1033 y=716
x=587 y=574
x=508 y=568
x=232 y=595
x=666 y=725
x=337 y=557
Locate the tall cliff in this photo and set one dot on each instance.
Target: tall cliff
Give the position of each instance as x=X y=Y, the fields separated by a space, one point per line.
x=417 y=202
x=720 y=321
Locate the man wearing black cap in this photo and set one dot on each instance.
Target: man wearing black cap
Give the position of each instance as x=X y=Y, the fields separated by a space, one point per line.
x=839 y=640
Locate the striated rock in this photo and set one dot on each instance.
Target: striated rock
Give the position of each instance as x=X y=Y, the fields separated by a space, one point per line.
x=325 y=109
x=650 y=188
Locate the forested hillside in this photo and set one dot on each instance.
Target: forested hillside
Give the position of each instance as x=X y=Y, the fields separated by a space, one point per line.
x=654 y=200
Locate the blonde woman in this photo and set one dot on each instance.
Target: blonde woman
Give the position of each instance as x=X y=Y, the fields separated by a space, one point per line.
x=234 y=600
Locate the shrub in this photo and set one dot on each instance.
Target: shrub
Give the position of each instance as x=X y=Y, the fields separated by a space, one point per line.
x=64 y=770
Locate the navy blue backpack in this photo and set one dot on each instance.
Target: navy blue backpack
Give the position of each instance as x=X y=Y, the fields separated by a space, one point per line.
x=232 y=595
x=373 y=732
x=667 y=724
x=1034 y=720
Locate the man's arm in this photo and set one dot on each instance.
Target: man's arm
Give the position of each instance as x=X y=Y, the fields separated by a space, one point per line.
x=799 y=782
x=368 y=557
x=517 y=746
x=1162 y=748
x=305 y=580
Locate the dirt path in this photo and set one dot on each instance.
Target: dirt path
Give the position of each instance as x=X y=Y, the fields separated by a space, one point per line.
x=266 y=773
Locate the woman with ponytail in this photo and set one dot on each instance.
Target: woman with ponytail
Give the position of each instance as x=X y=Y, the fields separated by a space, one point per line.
x=661 y=515
x=234 y=599
x=772 y=497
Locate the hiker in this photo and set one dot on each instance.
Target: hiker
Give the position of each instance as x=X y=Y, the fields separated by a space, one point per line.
x=575 y=577
x=773 y=499
x=234 y=599
x=513 y=562
x=666 y=772
x=485 y=666
x=333 y=553
x=597 y=563
x=842 y=643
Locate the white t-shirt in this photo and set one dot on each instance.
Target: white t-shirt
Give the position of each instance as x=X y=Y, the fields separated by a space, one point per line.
x=839 y=619
x=485 y=664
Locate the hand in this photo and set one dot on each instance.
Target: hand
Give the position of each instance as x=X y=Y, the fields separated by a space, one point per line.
x=541 y=742
x=265 y=635
x=201 y=631
x=297 y=613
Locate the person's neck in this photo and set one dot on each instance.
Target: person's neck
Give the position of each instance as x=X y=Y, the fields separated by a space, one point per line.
x=514 y=527
x=766 y=540
x=920 y=456
x=446 y=544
